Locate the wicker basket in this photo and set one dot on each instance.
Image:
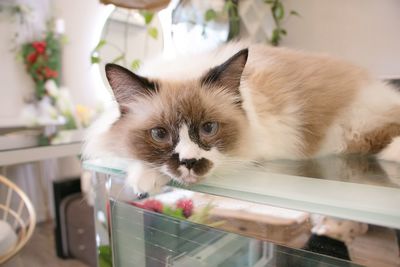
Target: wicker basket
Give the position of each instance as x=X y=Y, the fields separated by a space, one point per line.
x=17 y=210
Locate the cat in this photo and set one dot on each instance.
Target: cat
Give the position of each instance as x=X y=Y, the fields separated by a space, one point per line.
x=185 y=118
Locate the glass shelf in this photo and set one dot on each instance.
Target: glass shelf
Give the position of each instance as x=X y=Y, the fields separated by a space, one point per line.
x=35 y=138
x=355 y=188
x=144 y=238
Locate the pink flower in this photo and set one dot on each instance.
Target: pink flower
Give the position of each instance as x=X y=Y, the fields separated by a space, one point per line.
x=186 y=205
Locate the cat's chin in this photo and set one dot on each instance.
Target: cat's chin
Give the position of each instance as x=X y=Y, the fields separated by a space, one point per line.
x=189 y=179
x=183 y=175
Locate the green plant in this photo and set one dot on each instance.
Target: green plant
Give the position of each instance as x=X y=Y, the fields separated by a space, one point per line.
x=278 y=15
x=42 y=60
x=152 y=32
x=231 y=10
x=105 y=256
x=231 y=7
x=148 y=18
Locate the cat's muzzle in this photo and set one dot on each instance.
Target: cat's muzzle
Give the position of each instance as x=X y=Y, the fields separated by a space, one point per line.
x=192 y=170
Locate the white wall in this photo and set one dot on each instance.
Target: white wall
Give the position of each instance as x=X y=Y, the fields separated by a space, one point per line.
x=139 y=44
x=367 y=32
x=84 y=21
x=14 y=82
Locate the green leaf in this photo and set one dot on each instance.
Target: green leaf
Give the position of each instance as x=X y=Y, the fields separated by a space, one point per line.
x=104 y=263
x=135 y=65
x=176 y=213
x=94 y=59
x=283 y=31
x=70 y=121
x=101 y=43
x=104 y=250
x=147 y=15
x=153 y=32
x=279 y=11
x=202 y=215
x=229 y=5
x=40 y=90
x=19 y=56
x=294 y=13
x=44 y=140
x=210 y=15
x=119 y=58
x=64 y=39
x=105 y=257
x=276 y=37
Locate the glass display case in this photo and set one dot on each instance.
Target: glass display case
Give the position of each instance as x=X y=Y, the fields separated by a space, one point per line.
x=334 y=211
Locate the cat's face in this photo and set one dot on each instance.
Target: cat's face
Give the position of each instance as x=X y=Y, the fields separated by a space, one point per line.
x=183 y=128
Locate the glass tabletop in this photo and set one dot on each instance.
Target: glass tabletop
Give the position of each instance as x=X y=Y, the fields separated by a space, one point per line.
x=38 y=137
x=356 y=188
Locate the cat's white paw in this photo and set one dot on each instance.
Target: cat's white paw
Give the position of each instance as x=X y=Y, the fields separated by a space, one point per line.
x=392 y=151
x=143 y=179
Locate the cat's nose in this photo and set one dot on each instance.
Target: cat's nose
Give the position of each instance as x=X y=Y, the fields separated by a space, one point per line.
x=189 y=163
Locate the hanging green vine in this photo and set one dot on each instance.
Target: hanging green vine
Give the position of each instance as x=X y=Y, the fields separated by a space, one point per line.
x=135 y=64
x=278 y=15
x=231 y=10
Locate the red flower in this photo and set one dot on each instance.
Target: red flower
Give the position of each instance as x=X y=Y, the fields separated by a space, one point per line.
x=39 y=74
x=186 y=205
x=49 y=73
x=40 y=47
x=31 y=58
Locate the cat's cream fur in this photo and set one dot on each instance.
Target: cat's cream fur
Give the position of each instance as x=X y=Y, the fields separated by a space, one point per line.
x=296 y=105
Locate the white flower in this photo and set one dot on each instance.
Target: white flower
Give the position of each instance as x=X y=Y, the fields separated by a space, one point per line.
x=29 y=115
x=46 y=109
x=63 y=102
x=52 y=88
x=41 y=113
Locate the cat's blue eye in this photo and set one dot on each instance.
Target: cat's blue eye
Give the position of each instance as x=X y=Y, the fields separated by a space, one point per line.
x=159 y=134
x=209 y=128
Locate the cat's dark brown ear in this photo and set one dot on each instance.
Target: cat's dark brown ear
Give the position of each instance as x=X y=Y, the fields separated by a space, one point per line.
x=127 y=85
x=228 y=74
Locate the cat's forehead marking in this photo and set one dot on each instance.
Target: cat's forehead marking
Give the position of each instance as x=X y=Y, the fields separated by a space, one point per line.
x=186 y=148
